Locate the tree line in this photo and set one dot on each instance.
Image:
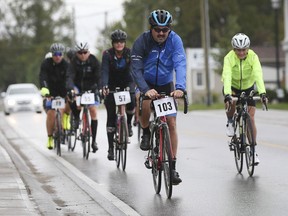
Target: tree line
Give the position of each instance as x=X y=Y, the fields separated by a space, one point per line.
x=28 y=27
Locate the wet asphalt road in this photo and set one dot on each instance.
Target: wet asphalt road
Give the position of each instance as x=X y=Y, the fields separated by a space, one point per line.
x=211 y=185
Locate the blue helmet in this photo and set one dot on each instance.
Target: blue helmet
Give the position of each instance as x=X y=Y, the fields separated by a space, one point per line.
x=160 y=18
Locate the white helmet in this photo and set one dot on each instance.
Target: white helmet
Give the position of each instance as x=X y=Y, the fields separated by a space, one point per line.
x=81 y=46
x=240 y=41
x=57 y=47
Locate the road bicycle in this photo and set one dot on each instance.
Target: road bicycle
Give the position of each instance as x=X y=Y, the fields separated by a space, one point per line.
x=58 y=103
x=121 y=137
x=243 y=143
x=84 y=132
x=160 y=154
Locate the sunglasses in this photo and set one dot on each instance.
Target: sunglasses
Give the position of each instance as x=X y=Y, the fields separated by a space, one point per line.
x=82 y=52
x=119 y=41
x=240 y=50
x=158 y=30
x=57 y=54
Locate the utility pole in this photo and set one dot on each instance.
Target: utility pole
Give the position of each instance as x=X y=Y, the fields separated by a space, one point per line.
x=205 y=37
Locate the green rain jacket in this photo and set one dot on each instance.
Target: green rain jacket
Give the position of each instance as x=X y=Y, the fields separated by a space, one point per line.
x=242 y=74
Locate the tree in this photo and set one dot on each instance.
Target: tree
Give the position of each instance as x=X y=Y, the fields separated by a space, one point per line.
x=29 y=28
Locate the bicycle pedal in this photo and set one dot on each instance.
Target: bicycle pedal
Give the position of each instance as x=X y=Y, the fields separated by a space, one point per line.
x=147 y=165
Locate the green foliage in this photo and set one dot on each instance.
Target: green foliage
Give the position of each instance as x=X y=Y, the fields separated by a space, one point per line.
x=29 y=28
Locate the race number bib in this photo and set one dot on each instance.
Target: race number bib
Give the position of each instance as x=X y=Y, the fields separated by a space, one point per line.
x=122 y=97
x=164 y=106
x=87 y=98
x=58 y=103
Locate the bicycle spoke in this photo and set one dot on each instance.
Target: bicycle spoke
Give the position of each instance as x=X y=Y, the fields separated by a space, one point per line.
x=156 y=168
x=250 y=146
x=167 y=161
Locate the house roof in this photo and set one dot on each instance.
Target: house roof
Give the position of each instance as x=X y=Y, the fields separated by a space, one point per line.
x=267 y=55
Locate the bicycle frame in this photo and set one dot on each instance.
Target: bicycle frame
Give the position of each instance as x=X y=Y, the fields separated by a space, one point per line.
x=57 y=104
x=243 y=141
x=121 y=134
x=160 y=155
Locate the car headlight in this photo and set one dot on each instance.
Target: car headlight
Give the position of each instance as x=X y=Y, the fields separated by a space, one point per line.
x=11 y=102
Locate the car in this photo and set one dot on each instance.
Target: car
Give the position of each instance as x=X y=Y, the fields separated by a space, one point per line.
x=22 y=97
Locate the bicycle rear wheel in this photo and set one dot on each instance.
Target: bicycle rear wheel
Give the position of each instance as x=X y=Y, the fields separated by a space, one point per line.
x=167 y=160
x=84 y=137
x=124 y=141
x=236 y=142
x=156 y=163
x=58 y=133
x=250 y=146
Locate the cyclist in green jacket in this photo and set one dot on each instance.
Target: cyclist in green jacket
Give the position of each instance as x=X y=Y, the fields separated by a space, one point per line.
x=241 y=71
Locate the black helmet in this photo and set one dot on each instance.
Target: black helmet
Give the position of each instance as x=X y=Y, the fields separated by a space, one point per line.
x=118 y=35
x=160 y=18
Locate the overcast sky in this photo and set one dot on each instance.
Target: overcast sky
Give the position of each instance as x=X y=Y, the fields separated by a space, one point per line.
x=90 y=17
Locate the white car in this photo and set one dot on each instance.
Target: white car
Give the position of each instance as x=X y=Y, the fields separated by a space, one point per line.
x=22 y=97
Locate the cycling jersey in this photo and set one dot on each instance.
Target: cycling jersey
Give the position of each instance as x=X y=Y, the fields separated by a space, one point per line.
x=115 y=72
x=241 y=74
x=154 y=63
x=84 y=75
x=53 y=76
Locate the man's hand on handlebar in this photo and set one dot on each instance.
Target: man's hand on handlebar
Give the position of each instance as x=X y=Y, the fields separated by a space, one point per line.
x=152 y=93
x=177 y=93
x=105 y=91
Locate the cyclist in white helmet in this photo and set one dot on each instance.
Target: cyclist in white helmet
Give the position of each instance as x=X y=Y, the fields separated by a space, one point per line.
x=241 y=71
x=84 y=75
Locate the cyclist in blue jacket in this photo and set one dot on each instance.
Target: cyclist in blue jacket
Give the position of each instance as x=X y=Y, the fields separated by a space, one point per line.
x=155 y=55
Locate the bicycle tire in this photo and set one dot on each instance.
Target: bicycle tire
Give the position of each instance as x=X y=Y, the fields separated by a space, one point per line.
x=124 y=132
x=167 y=160
x=74 y=138
x=249 y=146
x=237 y=142
x=83 y=133
x=88 y=135
x=58 y=132
x=139 y=132
x=117 y=144
x=156 y=166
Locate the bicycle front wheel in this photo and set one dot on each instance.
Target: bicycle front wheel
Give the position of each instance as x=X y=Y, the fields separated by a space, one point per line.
x=155 y=156
x=124 y=136
x=58 y=133
x=250 y=146
x=167 y=160
x=237 y=143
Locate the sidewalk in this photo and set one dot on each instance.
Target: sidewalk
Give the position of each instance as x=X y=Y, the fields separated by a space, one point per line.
x=14 y=199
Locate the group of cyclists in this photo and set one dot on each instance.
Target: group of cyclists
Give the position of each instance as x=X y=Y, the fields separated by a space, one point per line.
x=149 y=68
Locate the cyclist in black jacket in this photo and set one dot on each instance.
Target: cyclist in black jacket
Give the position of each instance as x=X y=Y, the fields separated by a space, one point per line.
x=115 y=72
x=53 y=75
x=84 y=75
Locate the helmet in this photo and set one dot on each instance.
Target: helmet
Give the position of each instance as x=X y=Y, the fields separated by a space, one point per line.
x=81 y=46
x=118 y=35
x=160 y=18
x=57 y=47
x=48 y=55
x=240 y=41
x=70 y=53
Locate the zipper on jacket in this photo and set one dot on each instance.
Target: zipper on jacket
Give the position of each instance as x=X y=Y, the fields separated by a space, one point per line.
x=157 y=65
x=241 y=74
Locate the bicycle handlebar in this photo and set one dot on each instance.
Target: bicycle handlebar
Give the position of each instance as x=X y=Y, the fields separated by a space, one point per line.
x=161 y=95
x=244 y=98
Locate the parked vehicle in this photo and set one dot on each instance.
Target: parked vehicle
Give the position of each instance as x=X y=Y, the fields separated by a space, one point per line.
x=22 y=97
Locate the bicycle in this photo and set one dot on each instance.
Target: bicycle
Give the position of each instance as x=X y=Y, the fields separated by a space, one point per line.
x=85 y=99
x=160 y=154
x=58 y=103
x=243 y=141
x=121 y=137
